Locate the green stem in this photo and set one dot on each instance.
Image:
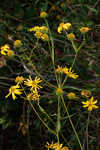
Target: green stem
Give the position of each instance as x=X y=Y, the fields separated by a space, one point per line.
x=81 y=45
x=58 y=119
x=52 y=50
x=72 y=124
x=42 y=119
x=87 y=129
x=44 y=112
x=74 y=46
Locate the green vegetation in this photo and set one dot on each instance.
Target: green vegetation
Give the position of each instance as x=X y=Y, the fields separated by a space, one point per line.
x=50 y=74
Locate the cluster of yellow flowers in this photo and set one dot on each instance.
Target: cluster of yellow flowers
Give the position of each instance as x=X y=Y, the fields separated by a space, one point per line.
x=66 y=26
x=56 y=146
x=63 y=26
x=68 y=71
x=40 y=32
x=6 y=50
x=33 y=84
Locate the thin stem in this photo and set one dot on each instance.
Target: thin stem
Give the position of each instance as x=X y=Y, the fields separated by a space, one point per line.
x=52 y=50
x=28 y=131
x=81 y=45
x=58 y=119
x=72 y=123
x=48 y=83
x=87 y=129
x=42 y=119
x=44 y=112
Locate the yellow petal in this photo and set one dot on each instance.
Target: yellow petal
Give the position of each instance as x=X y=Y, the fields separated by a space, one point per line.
x=7 y=95
x=95 y=102
x=94 y=106
x=13 y=96
x=90 y=108
x=59 y=29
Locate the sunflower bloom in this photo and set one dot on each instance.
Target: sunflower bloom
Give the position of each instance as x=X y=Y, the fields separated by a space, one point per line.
x=14 y=90
x=34 y=84
x=90 y=104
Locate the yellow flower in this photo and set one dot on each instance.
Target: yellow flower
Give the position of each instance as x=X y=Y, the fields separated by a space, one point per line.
x=59 y=91
x=62 y=5
x=71 y=95
x=17 y=43
x=59 y=69
x=14 y=90
x=71 y=36
x=34 y=29
x=33 y=83
x=58 y=17
x=86 y=93
x=43 y=28
x=90 y=104
x=65 y=70
x=33 y=96
x=4 y=52
x=43 y=14
x=65 y=148
x=66 y=26
x=10 y=53
x=60 y=28
x=38 y=34
x=63 y=26
x=45 y=37
x=56 y=146
x=4 y=49
x=70 y=73
x=19 y=79
x=84 y=29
